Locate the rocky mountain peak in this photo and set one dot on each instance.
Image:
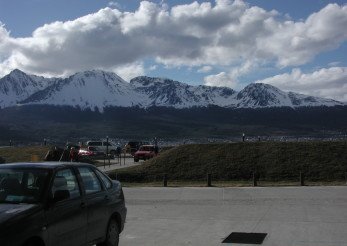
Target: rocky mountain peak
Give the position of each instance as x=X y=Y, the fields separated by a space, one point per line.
x=99 y=89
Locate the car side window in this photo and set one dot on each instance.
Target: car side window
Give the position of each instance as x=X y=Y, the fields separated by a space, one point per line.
x=90 y=180
x=105 y=180
x=66 y=180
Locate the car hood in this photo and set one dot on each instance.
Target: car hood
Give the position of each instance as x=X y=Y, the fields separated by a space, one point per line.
x=9 y=211
x=142 y=152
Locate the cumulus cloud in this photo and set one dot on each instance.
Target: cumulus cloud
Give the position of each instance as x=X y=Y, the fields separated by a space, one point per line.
x=129 y=71
x=114 y=4
x=334 y=64
x=4 y=42
x=220 y=79
x=230 y=78
x=205 y=69
x=222 y=33
x=326 y=82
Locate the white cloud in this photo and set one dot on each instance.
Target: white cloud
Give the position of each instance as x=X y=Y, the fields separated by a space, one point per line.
x=230 y=78
x=296 y=43
x=326 y=82
x=205 y=69
x=220 y=79
x=4 y=42
x=114 y=4
x=129 y=71
x=334 y=64
x=225 y=33
x=153 y=67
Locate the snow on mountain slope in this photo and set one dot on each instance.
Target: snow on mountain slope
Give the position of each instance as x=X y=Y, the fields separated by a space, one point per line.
x=17 y=86
x=262 y=95
x=98 y=89
x=300 y=100
x=169 y=93
x=90 y=89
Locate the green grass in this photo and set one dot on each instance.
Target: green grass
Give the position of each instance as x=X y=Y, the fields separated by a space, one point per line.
x=272 y=161
x=23 y=154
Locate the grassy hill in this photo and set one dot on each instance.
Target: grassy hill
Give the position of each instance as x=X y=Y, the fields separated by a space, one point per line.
x=272 y=161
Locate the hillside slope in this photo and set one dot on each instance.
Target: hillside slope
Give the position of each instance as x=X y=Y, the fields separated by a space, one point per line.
x=273 y=161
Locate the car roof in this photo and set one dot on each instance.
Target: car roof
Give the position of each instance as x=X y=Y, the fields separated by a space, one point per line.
x=43 y=165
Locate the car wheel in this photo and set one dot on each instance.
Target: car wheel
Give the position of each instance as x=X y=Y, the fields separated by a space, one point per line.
x=136 y=159
x=112 y=235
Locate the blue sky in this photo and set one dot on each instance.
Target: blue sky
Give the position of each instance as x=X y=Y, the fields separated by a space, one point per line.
x=295 y=45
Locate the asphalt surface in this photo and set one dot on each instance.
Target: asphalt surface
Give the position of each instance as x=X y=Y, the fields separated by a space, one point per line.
x=291 y=216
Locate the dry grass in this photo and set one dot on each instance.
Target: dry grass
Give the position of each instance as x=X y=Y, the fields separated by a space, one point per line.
x=23 y=154
x=272 y=161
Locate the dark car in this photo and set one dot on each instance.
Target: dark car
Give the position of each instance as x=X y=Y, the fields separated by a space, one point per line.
x=59 y=204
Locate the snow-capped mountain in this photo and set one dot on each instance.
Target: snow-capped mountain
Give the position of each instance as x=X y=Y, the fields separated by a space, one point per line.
x=169 y=93
x=90 y=89
x=299 y=100
x=258 y=95
x=17 y=86
x=99 y=89
x=262 y=95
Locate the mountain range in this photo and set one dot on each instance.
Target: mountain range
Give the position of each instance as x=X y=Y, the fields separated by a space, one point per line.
x=97 y=90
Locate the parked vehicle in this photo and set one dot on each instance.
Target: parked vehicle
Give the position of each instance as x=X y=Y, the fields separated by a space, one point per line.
x=92 y=152
x=105 y=146
x=133 y=146
x=145 y=152
x=54 y=203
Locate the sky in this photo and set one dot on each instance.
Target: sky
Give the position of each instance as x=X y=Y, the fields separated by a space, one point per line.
x=295 y=45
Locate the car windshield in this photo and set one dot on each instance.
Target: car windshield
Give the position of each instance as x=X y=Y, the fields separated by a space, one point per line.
x=22 y=185
x=146 y=148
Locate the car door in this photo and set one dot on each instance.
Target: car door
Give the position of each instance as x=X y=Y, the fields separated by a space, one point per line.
x=96 y=199
x=67 y=219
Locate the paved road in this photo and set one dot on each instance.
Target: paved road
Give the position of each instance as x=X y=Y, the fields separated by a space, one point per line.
x=292 y=216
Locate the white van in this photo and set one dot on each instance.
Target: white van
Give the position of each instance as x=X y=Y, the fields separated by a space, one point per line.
x=113 y=149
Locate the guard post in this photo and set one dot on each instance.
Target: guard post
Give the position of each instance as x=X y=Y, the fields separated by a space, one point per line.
x=255 y=182
x=165 y=180
x=302 y=179
x=209 y=180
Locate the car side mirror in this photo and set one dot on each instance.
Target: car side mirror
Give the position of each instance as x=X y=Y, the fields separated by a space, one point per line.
x=61 y=195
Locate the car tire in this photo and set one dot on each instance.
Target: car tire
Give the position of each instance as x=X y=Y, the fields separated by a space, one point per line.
x=112 y=235
x=136 y=160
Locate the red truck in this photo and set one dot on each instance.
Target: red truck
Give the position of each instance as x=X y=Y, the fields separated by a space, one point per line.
x=145 y=152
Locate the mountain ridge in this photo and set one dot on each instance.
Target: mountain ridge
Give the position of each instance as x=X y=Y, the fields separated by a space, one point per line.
x=97 y=89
